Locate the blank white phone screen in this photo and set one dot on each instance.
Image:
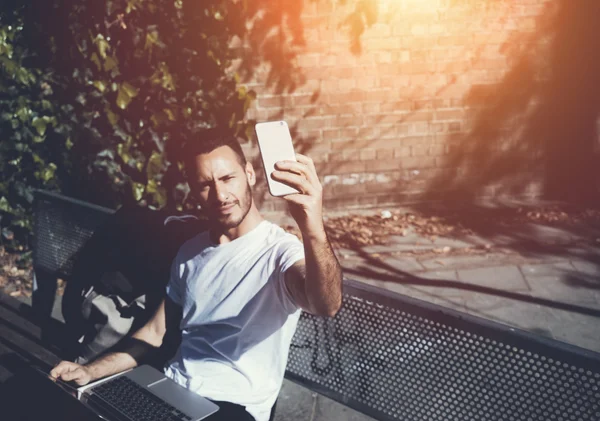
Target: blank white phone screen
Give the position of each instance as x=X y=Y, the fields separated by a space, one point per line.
x=275 y=144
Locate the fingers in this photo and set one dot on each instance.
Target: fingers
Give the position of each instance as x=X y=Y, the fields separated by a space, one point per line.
x=293 y=180
x=62 y=368
x=78 y=375
x=306 y=161
x=69 y=371
x=304 y=166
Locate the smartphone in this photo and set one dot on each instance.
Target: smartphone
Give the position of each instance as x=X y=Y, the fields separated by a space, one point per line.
x=275 y=144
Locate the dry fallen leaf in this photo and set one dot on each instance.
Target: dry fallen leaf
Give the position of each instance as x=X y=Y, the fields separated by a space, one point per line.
x=16 y=293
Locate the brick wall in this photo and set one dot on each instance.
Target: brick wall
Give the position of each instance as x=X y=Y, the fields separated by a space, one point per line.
x=404 y=119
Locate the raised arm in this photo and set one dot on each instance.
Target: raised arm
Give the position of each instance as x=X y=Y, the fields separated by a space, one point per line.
x=148 y=337
x=315 y=283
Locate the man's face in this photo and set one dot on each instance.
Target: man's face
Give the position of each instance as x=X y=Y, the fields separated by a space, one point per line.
x=223 y=186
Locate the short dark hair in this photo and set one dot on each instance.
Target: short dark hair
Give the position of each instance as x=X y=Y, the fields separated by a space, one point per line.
x=207 y=140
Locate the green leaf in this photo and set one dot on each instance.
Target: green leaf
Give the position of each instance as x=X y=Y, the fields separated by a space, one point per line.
x=48 y=172
x=96 y=60
x=102 y=45
x=40 y=125
x=110 y=63
x=5 y=206
x=113 y=118
x=155 y=165
x=138 y=190
x=123 y=152
x=158 y=193
x=100 y=85
x=151 y=40
x=126 y=93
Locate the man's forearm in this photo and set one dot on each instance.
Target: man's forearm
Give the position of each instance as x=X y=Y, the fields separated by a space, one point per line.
x=323 y=282
x=112 y=363
x=116 y=362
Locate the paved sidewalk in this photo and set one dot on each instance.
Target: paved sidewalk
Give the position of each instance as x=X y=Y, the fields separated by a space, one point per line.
x=555 y=294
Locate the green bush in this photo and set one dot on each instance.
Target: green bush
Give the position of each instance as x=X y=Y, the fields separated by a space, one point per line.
x=96 y=97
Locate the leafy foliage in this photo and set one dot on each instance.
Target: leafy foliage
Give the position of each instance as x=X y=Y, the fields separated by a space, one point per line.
x=97 y=97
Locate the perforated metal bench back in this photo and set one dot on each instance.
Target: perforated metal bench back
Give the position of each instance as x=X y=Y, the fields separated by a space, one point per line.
x=396 y=358
x=61 y=227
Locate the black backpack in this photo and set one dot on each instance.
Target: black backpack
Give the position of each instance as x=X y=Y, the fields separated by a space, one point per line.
x=120 y=275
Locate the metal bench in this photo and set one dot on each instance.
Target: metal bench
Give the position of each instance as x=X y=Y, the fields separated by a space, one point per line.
x=386 y=355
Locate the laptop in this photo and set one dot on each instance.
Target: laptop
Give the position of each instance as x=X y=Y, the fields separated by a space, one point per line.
x=142 y=394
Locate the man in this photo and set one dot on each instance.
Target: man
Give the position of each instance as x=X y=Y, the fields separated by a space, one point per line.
x=237 y=290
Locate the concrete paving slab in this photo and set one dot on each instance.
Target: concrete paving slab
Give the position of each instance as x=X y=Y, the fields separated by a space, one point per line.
x=561 y=288
x=578 y=329
x=398 y=287
x=587 y=267
x=505 y=277
x=448 y=275
x=297 y=403
x=548 y=235
x=381 y=248
x=546 y=269
x=442 y=262
x=328 y=410
x=452 y=243
x=440 y=275
x=404 y=264
x=432 y=295
x=416 y=242
x=531 y=317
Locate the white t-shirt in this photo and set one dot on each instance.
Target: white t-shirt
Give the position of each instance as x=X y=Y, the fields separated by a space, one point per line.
x=238 y=317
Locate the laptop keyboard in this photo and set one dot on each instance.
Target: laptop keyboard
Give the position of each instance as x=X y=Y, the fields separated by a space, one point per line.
x=137 y=403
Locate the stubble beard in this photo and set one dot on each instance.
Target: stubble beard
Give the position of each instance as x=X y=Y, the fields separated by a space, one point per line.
x=245 y=205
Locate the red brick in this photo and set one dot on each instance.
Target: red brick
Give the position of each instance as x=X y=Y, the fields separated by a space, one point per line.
x=348 y=133
x=417 y=68
x=349 y=189
x=345 y=97
x=449 y=114
x=274 y=101
x=402 y=152
x=341 y=167
x=418 y=116
x=366 y=82
x=331 y=134
x=383 y=165
x=308 y=60
x=367 y=132
x=347 y=84
x=341 y=144
x=314 y=123
x=371 y=107
x=436 y=150
x=412 y=162
x=415 y=140
x=418 y=150
x=367 y=154
x=341 y=109
x=394 y=106
x=348 y=121
x=300 y=100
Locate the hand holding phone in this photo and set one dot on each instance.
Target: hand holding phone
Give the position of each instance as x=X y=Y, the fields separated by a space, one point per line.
x=275 y=144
